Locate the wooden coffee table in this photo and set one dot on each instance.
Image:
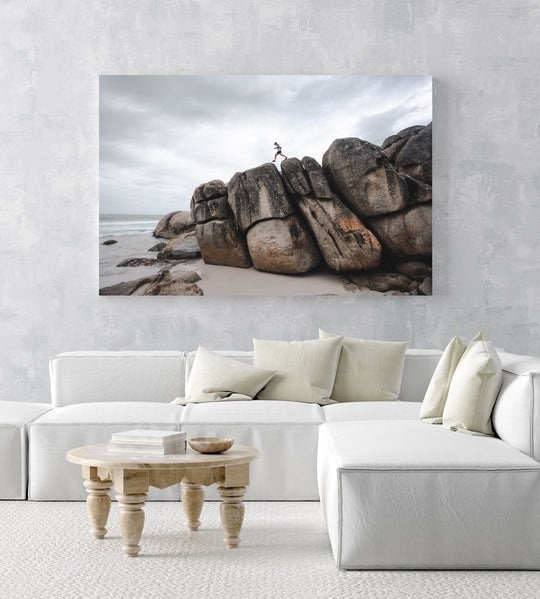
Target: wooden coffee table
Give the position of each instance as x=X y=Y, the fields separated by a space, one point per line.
x=132 y=474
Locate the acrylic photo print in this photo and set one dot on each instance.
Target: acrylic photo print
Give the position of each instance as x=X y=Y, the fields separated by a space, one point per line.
x=265 y=185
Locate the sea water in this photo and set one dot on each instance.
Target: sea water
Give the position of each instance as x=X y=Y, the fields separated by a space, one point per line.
x=119 y=225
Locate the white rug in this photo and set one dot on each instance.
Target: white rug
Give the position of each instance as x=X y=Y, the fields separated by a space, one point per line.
x=46 y=551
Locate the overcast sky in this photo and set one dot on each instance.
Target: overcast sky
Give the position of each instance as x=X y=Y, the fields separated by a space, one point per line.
x=161 y=136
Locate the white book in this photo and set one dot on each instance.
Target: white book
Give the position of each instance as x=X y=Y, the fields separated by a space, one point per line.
x=179 y=447
x=149 y=436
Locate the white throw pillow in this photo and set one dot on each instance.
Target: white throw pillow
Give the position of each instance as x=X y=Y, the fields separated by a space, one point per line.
x=217 y=378
x=305 y=369
x=474 y=389
x=368 y=370
x=435 y=398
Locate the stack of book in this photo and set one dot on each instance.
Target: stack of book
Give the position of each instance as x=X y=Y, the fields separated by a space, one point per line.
x=149 y=442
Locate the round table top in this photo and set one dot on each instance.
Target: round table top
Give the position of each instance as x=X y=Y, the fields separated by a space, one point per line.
x=100 y=456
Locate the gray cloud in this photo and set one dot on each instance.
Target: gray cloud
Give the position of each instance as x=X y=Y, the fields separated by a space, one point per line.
x=161 y=136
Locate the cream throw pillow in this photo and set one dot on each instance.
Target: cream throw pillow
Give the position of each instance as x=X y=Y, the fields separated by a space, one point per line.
x=368 y=370
x=217 y=378
x=474 y=389
x=437 y=391
x=305 y=369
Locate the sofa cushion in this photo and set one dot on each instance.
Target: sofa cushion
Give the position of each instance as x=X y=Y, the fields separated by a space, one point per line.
x=400 y=494
x=474 y=389
x=14 y=416
x=113 y=413
x=516 y=415
x=368 y=370
x=215 y=377
x=437 y=391
x=306 y=370
x=410 y=445
x=52 y=435
x=259 y=411
x=371 y=410
x=99 y=376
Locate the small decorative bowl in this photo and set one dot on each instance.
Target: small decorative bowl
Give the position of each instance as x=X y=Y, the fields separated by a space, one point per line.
x=210 y=444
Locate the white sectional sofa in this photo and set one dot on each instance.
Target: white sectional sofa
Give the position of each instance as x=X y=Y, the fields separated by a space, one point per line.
x=396 y=492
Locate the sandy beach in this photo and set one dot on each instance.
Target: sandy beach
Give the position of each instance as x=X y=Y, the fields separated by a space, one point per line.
x=215 y=280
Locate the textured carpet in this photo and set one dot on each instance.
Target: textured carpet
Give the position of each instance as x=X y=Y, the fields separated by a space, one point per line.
x=46 y=551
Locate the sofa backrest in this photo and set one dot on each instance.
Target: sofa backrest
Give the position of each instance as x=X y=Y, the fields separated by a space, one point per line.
x=516 y=415
x=417 y=371
x=92 y=376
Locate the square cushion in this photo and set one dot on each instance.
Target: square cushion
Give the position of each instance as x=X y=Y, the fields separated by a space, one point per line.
x=474 y=389
x=437 y=391
x=214 y=377
x=368 y=370
x=305 y=369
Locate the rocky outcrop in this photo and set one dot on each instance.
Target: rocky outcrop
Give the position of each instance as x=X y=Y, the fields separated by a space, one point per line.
x=181 y=248
x=345 y=243
x=223 y=244
x=158 y=247
x=364 y=178
x=407 y=233
x=277 y=240
x=174 y=224
x=217 y=233
x=258 y=194
x=282 y=245
x=138 y=262
x=365 y=212
x=163 y=283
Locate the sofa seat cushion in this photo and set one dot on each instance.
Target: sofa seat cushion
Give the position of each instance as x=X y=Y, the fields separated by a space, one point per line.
x=411 y=444
x=259 y=411
x=56 y=432
x=405 y=494
x=120 y=412
x=372 y=410
x=14 y=415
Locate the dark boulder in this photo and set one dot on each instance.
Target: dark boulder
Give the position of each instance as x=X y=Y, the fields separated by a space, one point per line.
x=258 y=194
x=407 y=233
x=414 y=159
x=223 y=244
x=363 y=178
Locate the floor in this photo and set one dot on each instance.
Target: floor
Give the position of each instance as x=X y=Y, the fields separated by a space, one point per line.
x=46 y=551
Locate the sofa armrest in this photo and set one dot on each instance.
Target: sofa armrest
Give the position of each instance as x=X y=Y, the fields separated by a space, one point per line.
x=516 y=415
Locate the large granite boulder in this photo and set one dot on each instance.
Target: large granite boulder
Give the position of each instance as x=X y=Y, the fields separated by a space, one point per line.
x=214 y=209
x=364 y=178
x=406 y=233
x=223 y=244
x=282 y=245
x=208 y=191
x=317 y=180
x=393 y=144
x=258 y=194
x=173 y=224
x=344 y=242
x=162 y=283
x=415 y=158
x=185 y=247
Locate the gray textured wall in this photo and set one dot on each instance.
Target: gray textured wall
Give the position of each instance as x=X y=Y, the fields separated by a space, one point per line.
x=484 y=59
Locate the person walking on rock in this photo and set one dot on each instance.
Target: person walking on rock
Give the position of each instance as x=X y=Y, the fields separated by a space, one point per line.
x=277 y=148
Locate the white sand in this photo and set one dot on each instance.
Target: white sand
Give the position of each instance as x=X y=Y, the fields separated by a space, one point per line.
x=216 y=280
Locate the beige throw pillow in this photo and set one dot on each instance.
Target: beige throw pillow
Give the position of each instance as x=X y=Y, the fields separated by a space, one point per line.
x=474 y=389
x=305 y=369
x=368 y=370
x=437 y=391
x=216 y=378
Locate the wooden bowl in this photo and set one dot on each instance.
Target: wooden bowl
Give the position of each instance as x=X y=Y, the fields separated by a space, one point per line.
x=210 y=444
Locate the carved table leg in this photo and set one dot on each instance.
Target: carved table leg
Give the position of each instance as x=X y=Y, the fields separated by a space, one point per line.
x=232 y=513
x=98 y=504
x=131 y=521
x=192 y=502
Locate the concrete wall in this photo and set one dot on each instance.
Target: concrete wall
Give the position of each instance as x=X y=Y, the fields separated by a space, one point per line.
x=484 y=59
